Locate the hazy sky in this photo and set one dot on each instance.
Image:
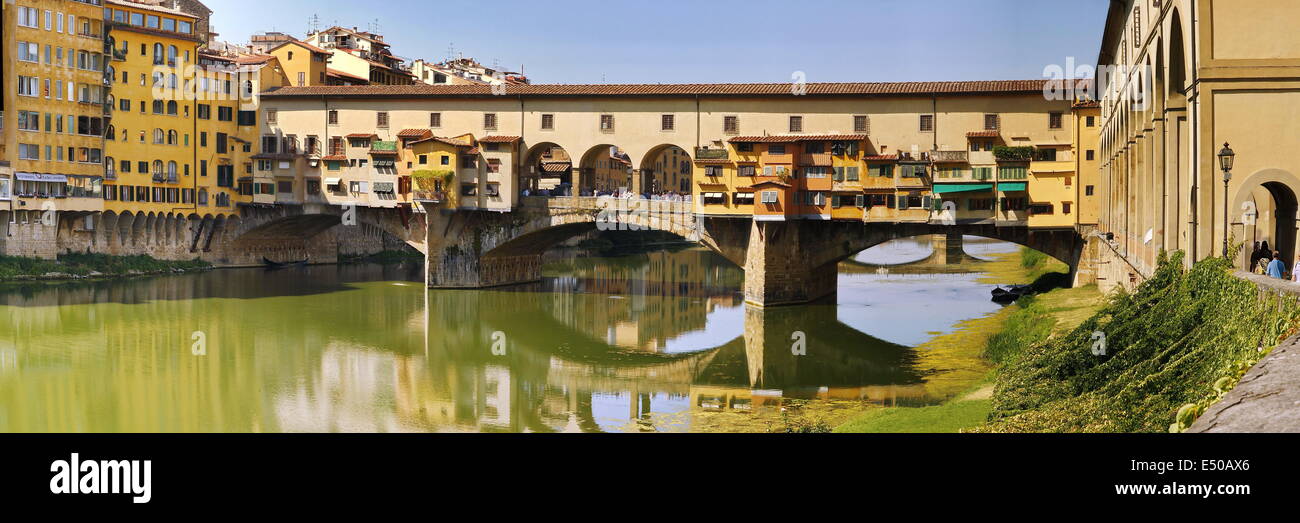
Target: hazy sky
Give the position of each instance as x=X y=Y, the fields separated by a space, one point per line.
x=676 y=41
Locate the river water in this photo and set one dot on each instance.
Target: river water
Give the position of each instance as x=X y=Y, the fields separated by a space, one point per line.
x=660 y=341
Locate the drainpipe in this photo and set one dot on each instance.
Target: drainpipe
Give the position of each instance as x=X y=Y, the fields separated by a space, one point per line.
x=1195 y=139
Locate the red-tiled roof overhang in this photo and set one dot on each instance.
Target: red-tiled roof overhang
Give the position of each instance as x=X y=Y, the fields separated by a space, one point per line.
x=414 y=133
x=787 y=138
x=556 y=167
x=769 y=182
x=341 y=74
x=1000 y=87
x=714 y=161
x=472 y=151
x=499 y=139
x=882 y=158
x=383 y=153
x=335 y=158
x=983 y=134
x=362 y=135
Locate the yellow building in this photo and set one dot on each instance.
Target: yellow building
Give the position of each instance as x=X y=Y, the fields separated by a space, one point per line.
x=55 y=119
x=153 y=152
x=302 y=64
x=1087 y=160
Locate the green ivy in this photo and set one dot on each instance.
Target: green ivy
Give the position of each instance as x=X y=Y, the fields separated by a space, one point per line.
x=1173 y=347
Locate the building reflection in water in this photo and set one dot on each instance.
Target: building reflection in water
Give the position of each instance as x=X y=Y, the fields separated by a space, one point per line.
x=633 y=343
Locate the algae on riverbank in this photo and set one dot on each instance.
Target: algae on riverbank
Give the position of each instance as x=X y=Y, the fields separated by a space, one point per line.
x=83 y=265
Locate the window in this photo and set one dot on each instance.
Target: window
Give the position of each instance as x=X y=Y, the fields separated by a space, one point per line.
x=1015 y=204
x=1065 y=207
x=742 y=198
x=607 y=122
x=246 y=118
x=715 y=198
x=225 y=114
x=746 y=170
x=271 y=116
x=1091 y=121
x=381 y=119
x=816 y=172
x=745 y=147
x=730 y=124
x=775 y=149
x=490 y=121
x=1088 y=190
x=667 y=122
x=796 y=124
x=1090 y=155
x=333 y=118
x=713 y=170
x=1054 y=121
x=861 y=125
x=769 y=197
x=927 y=123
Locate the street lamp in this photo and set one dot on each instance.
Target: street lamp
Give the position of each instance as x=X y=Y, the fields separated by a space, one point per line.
x=1226 y=158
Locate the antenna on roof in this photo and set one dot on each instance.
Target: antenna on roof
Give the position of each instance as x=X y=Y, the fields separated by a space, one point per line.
x=313 y=25
x=451 y=51
x=374 y=26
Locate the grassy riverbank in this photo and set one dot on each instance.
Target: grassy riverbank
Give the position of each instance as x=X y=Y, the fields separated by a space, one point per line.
x=70 y=266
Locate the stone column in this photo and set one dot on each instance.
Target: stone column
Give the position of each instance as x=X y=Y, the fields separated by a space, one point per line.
x=777 y=266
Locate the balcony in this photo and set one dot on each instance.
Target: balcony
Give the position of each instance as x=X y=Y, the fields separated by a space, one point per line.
x=815 y=160
x=950 y=156
x=702 y=153
x=428 y=196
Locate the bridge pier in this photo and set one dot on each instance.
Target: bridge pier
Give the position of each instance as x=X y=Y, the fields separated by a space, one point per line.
x=777 y=265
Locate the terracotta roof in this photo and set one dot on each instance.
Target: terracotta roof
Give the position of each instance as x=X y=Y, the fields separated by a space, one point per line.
x=362 y=135
x=713 y=161
x=251 y=59
x=499 y=139
x=881 y=158
x=336 y=72
x=304 y=45
x=383 y=152
x=1091 y=104
x=771 y=89
x=791 y=138
x=335 y=158
x=414 y=133
x=983 y=134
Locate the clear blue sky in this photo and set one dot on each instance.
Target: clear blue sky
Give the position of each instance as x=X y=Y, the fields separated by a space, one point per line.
x=677 y=41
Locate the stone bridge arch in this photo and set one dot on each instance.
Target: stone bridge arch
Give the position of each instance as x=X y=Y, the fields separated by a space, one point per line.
x=289 y=233
x=785 y=263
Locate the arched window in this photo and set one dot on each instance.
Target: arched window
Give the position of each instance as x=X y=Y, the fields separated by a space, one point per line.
x=171 y=81
x=158 y=136
x=203 y=196
x=157 y=54
x=157 y=79
x=171 y=171
x=157 y=168
x=111 y=132
x=171 y=137
x=158 y=107
x=171 y=55
x=171 y=108
x=109 y=166
x=248 y=89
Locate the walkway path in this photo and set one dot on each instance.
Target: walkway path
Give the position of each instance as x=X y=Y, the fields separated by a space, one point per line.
x=1268 y=397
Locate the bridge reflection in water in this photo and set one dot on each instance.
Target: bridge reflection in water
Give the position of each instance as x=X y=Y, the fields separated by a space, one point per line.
x=638 y=343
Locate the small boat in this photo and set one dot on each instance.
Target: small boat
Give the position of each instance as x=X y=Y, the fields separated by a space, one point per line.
x=1011 y=294
x=283 y=265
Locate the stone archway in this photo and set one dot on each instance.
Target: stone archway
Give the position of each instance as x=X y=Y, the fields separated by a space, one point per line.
x=1264 y=209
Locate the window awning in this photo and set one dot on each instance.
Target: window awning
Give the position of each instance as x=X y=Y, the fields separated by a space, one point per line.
x=39 y=177
x=962 y=187
x=333 y=181
x=714 y=195
x=1013 y=186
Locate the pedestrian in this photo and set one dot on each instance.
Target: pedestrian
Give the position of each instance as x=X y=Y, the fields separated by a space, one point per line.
x=1277 y=267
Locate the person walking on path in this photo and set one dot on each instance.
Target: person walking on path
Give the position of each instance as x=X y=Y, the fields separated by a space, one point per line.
x=1277 y=267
